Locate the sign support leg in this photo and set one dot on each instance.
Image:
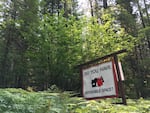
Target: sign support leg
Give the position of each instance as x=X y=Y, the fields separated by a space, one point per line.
x=121 y=88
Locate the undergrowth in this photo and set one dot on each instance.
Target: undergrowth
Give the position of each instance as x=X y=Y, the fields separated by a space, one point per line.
x=21 y=101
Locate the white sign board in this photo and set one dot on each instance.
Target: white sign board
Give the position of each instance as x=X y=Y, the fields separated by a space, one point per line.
x=99 y=81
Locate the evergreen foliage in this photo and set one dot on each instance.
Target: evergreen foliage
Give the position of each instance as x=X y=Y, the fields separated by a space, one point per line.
x=41 y=41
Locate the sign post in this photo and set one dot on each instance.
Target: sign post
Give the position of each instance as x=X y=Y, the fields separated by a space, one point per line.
x=100 y=80
x=120 y=81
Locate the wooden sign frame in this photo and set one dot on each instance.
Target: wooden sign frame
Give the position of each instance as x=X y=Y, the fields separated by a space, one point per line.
x=115 y=58
x=100 y=81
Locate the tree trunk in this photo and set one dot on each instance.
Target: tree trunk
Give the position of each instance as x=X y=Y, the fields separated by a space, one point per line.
x=4 y=63
x=142 y=20
x=105 y=5
x=141 y=15
x=92 y=8
x=146 y=11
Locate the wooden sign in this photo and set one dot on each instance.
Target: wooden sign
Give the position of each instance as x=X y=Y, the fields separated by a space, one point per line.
x=99 y=81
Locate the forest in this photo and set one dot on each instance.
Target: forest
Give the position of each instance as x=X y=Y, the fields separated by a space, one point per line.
x=42 y=41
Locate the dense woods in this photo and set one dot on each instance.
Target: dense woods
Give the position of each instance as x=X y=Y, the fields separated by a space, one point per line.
x=41 y=41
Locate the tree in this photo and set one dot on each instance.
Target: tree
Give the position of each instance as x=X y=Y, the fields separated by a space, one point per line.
x=42 y=41
x=18 y=20
x=140 y=52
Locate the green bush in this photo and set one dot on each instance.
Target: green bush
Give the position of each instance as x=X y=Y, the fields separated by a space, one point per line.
x=21 y=101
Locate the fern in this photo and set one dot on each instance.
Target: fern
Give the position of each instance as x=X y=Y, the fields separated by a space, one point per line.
x=21 y=101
